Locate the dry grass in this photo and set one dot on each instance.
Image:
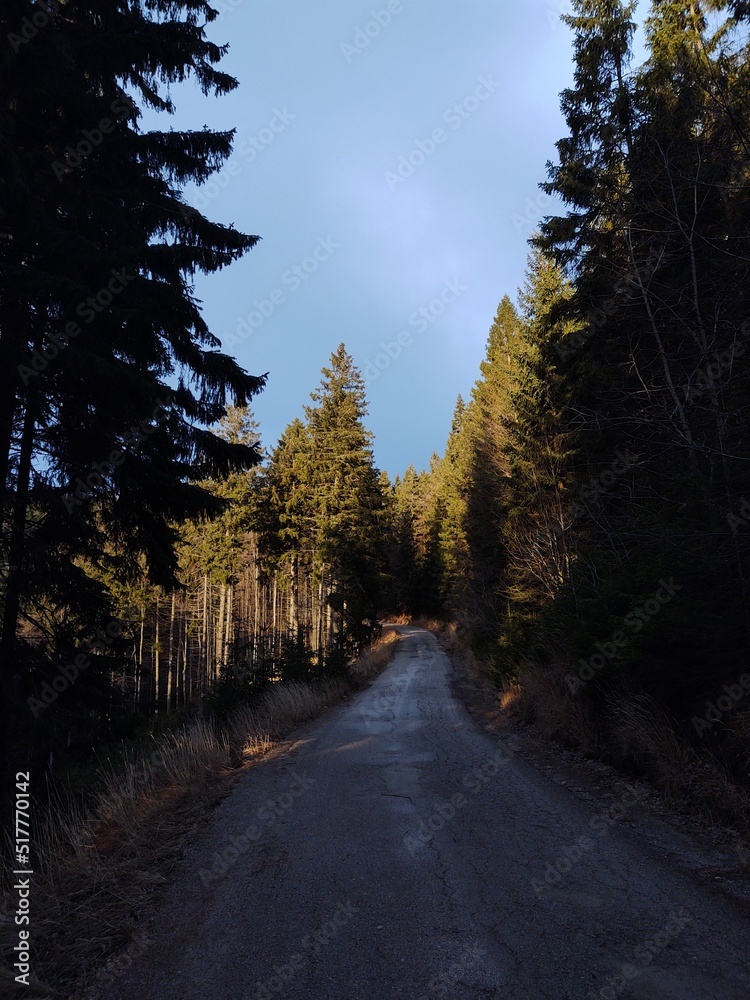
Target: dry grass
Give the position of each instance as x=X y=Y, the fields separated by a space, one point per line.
x=400 y=620
x=544 y=698
x=643 y=735
x=509 y=697
x=95 y=870
x=636 y=735
x=376 y=658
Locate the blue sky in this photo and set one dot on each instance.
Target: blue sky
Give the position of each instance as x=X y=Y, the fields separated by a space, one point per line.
x=389 y=155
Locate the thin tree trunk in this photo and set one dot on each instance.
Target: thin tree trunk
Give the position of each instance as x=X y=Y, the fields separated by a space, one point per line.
x=277 y=613
x=156 y=659
x=186 y=692
x=219 y=635
x=204 y=647
x=170 y=661
x=228 y=625
x=139 y=665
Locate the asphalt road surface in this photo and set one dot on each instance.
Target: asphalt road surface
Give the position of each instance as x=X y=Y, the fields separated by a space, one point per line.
x=392 y=849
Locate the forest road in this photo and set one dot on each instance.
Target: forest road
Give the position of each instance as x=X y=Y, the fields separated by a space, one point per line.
x=407 y=854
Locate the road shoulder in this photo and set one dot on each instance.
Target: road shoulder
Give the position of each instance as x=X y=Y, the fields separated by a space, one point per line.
x=687 y=843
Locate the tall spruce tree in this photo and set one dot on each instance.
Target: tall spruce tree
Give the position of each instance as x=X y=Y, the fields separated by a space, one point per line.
x=349 y=529
x=288 y=526
x=447 y=519
x=110 y=374
x=491 y=414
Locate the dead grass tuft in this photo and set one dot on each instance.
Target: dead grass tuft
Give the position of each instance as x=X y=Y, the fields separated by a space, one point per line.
x=373 y=660
x=644 y=736
x=544 y=698
x=509 y=698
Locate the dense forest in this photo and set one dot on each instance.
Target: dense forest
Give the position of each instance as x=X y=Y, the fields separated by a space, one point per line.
x=588 y=521
x=588 y=525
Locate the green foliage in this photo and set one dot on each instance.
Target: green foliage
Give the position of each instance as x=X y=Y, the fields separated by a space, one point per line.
x=297 y=659
x=604 y=448
x=414 y=544
x=324 y=526
x=215 y=545
x=237 y=684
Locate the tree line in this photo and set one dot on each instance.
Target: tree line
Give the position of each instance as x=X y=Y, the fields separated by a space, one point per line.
x=588 y=520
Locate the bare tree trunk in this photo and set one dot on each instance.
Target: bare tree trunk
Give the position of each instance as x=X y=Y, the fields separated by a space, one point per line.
x=203 y=660
x=219 y=633
x=186 y=690
x=293 y=597
x=256 y=591
x=228 y=625
x=170 y=666
x=321 y=617
x=139 y=664
x=156 y=659
x=274 y=621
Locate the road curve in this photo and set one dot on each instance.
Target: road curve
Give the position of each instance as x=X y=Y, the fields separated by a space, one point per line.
x=394 y=850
